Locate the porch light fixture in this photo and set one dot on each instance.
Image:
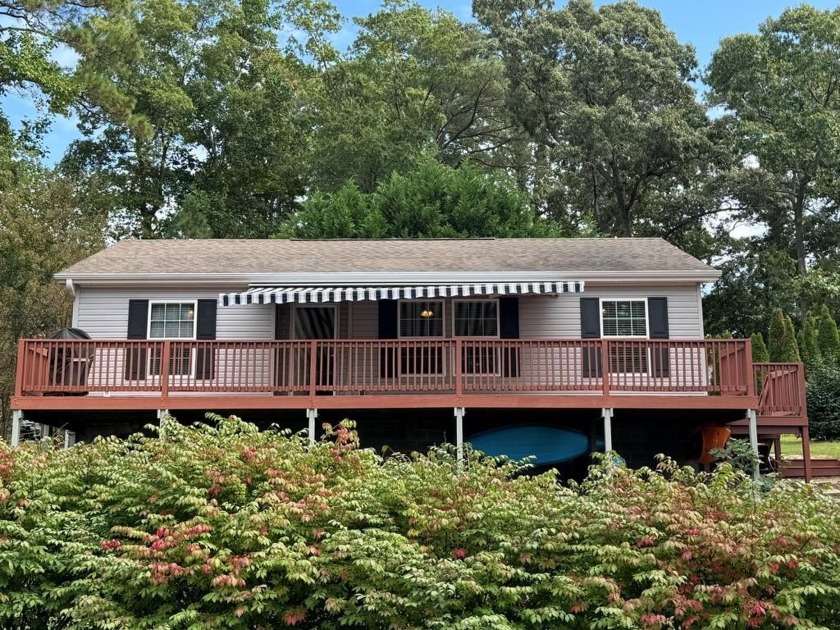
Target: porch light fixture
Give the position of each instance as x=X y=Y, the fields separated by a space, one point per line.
x=426 y=314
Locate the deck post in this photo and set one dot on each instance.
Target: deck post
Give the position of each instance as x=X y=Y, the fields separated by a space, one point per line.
x=806 y=454
x=69 y=439
x=459 y=433
x=311 y=414
x=752 y=419
x=607 y=414
x=17 y=419
x=45 y=430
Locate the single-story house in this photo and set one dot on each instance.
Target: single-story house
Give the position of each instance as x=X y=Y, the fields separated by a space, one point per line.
x=508 y=343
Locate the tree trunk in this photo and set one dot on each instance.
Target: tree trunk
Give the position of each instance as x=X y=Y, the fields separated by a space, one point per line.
x=799 y=225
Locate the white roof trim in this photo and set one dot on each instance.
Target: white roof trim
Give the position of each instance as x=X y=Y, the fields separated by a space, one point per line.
x=309 y=295
x=387 y=278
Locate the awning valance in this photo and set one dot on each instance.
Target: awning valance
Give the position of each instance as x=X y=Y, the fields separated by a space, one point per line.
x=310 y=295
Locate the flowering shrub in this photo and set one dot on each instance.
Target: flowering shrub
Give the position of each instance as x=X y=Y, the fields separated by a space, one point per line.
x=230 y=527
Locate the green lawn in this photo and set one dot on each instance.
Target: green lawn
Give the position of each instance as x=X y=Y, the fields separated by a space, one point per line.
x=792 y=445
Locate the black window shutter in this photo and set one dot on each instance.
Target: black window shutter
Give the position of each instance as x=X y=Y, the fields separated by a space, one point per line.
x=509 y=329
x=388 y=321
x=658 y=329
x=205 y=329
x=590 y=328
x=138 y=324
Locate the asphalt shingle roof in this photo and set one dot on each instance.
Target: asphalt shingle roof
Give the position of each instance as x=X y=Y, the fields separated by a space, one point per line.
x=388 y=255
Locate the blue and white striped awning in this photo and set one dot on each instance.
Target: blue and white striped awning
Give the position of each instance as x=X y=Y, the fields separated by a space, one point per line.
x=310 y=295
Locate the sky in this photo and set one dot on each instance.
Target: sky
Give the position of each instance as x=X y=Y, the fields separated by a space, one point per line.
x=702 y=23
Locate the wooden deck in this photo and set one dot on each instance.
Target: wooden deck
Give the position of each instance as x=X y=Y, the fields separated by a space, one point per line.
x=417 y=373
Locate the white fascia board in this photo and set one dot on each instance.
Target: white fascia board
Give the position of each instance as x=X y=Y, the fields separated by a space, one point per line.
x=384 y=278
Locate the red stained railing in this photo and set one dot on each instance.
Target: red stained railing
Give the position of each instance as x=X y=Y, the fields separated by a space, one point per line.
x=718 y=367
x=781 y=389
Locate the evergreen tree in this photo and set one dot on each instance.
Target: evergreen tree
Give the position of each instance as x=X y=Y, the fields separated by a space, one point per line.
x=809 y=346
x=760 y=353
x=782 y=346
x=827 y=339
x=791 y=348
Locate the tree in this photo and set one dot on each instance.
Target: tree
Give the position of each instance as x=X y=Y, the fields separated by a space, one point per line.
x=223 y=145
x=605 y=95
x=433 y=200
x=47 y=222
x=760 y=353
x=414 y=82
x=809 y=346
x=781 y=88
x=782 y=339
x=827 y=339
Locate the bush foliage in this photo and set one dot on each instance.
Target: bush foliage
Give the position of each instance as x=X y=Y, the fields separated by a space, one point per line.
x=822 y=391
x=230 y=527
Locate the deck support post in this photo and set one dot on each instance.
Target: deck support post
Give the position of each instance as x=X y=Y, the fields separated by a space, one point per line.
x=311 y=414
x=45 y=430
x=69 y=439
x=806 y=454
x=459 y=433
x=752 y=419
x=17 y=419
x=162 y=414
x=607 y=414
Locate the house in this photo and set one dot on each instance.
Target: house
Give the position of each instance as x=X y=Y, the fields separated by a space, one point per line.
x=421 y=341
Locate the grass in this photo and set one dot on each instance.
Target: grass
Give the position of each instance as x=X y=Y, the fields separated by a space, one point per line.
x=792 y=446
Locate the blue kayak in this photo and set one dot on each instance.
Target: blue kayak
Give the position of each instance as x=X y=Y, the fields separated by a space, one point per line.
x=548 y=445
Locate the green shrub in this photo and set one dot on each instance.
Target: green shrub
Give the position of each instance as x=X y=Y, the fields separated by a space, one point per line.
x=229 y=527
x=759 y=348
x=822 y=391
x=782 y=339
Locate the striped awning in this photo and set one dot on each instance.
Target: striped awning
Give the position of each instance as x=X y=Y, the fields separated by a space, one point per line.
x=310 y=295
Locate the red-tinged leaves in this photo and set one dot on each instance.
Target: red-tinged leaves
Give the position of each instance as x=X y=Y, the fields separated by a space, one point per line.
x=248 y=529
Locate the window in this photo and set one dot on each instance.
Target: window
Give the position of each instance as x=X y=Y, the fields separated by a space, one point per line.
x=423 y=318
x=476 y=318
x=172 y=320
x=625 y=318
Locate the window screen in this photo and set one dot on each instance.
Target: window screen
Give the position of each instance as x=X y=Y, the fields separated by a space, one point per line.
x=623 y=318
x=477 y=318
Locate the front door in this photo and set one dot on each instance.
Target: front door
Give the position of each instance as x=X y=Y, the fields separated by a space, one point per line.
x=317 y=322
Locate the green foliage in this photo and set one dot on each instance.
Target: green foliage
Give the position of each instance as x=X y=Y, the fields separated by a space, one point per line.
x=47 y=222
x=738 y=454
x=236 y=528
x=433 y=200
x=782 y=339
x=822 y=391
x=827 y=338
x=809 y=346
x=614 y=118
x=760 y=354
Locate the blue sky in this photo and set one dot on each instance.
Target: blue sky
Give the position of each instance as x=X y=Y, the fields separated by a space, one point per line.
x=702 y=23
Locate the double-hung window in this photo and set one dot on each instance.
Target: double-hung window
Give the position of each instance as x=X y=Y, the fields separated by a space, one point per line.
x=172 y=320
x=626 y=319
x=421 y=319
x=477 y=319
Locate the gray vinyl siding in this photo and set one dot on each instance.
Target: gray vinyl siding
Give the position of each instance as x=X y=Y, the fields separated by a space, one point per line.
x=543 y=317
x=103 y=313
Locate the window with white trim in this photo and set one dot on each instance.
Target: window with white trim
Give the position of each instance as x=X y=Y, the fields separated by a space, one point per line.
x=627 y=319
x=172 y=320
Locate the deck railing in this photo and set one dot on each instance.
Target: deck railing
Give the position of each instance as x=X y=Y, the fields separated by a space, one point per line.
x=781 y=389
x=460 y=366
